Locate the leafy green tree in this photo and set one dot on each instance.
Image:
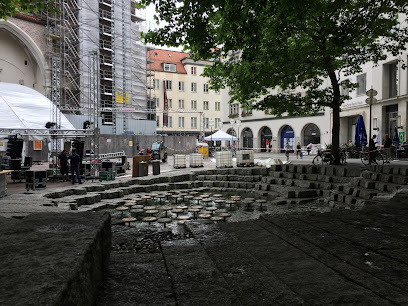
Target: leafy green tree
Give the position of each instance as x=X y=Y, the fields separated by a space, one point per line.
x=12 y=7
x=260 y=45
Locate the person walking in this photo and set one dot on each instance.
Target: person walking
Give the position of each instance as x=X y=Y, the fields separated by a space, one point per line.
x=287 y=149
x=387 y=148
x=75 y=161
x=298 y=150
x=267 y=145
x=63 y=165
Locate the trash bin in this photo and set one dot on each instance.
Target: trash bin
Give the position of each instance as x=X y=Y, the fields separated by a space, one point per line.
x=156 y=167
x=142 y=168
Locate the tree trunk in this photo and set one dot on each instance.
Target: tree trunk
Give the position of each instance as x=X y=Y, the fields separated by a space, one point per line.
x=336 y=118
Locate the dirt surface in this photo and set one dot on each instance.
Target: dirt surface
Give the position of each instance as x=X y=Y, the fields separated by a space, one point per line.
x=337 y=257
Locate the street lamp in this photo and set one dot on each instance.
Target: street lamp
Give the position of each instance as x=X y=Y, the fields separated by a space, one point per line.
x=211 y=124
x=370 y=101
x=237 y=123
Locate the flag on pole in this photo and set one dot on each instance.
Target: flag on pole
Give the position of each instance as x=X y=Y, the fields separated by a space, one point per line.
x=165 y=106
x=361 y=134
x=395 y=139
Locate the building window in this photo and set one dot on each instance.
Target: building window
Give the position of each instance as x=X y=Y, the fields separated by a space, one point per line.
x=170 y=121
x=206 y=123
x=194 y=70
x=181 y=86
x=181 y=104
x=170 y=102
x=217 y=122
x=193 y=87
x=344 y=91
x=156 y=103
x=217 y=106
x=156 y=84
x=193 y=122
x=393 y=79
x=361 y=80
x=205 y=88
x=206 y=105
x=233 y=110
x=193 y=104
x=168 y=85
x=169 y=67
x=158 y=121
x=181 y=122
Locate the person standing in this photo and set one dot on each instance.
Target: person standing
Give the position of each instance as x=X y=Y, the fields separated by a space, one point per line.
x=371 y=148
x=309 y=148
x=298 y=150
x=63 y=165
x=267 y=145
x=75 y=160
x=387 y=148
x=287 y=149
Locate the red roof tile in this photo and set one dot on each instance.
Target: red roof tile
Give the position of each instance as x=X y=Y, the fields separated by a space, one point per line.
x=160 y=57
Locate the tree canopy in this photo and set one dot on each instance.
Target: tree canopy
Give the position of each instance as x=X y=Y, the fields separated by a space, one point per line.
x=260 y=45
x=12 y=7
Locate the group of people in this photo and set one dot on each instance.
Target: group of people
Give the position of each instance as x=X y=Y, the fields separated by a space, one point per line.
x=65 y=161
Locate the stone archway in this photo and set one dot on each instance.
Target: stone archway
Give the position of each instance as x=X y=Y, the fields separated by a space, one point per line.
x=232 y=132
x=247 y=138
x=25 y=64
x=311 y=134
x=288 y=134
x=265 y=134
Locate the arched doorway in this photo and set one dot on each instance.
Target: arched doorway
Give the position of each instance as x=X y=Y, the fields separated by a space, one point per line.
x=266 y=134
x=311 y=134
x=232 y=132
x=287 y=134
x=248 y=138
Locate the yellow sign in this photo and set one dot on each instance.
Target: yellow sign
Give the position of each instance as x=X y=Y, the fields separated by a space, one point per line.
x=130 y=143
x=121 y=97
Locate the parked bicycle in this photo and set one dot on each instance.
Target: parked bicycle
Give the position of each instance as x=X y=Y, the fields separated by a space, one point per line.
x=326 y=157
x=377 y=157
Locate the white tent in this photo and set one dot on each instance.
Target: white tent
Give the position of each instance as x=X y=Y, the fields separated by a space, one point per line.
x=24 y=108
x=220 y=135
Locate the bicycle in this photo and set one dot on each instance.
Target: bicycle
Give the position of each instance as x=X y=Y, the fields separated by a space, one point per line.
x=326 y=157
x=378 y=158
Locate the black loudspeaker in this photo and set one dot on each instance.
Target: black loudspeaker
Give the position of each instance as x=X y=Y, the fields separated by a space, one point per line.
x=14 y=147
x=15 y=164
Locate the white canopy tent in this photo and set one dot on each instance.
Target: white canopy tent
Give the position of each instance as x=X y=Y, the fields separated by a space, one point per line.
x=220 y=136
x=24 y=108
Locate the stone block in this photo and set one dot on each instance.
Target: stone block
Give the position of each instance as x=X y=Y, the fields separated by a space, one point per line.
x=306 y=193
x=321 y=170
x=73 y=206
x=402 y=180
x=259 y=171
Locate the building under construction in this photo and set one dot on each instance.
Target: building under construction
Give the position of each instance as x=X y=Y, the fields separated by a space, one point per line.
x=88 y=59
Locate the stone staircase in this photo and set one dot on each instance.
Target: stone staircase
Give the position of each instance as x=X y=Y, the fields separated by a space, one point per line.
x=374 y=182
x=337 y=186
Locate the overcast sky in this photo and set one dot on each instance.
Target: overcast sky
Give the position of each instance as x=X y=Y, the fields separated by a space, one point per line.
x=151 y=24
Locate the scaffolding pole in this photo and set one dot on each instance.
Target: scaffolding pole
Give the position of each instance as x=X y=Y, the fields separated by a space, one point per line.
x=94 y=111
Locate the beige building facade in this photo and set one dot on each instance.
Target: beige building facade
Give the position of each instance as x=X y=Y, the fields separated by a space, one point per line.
x=192 y=108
